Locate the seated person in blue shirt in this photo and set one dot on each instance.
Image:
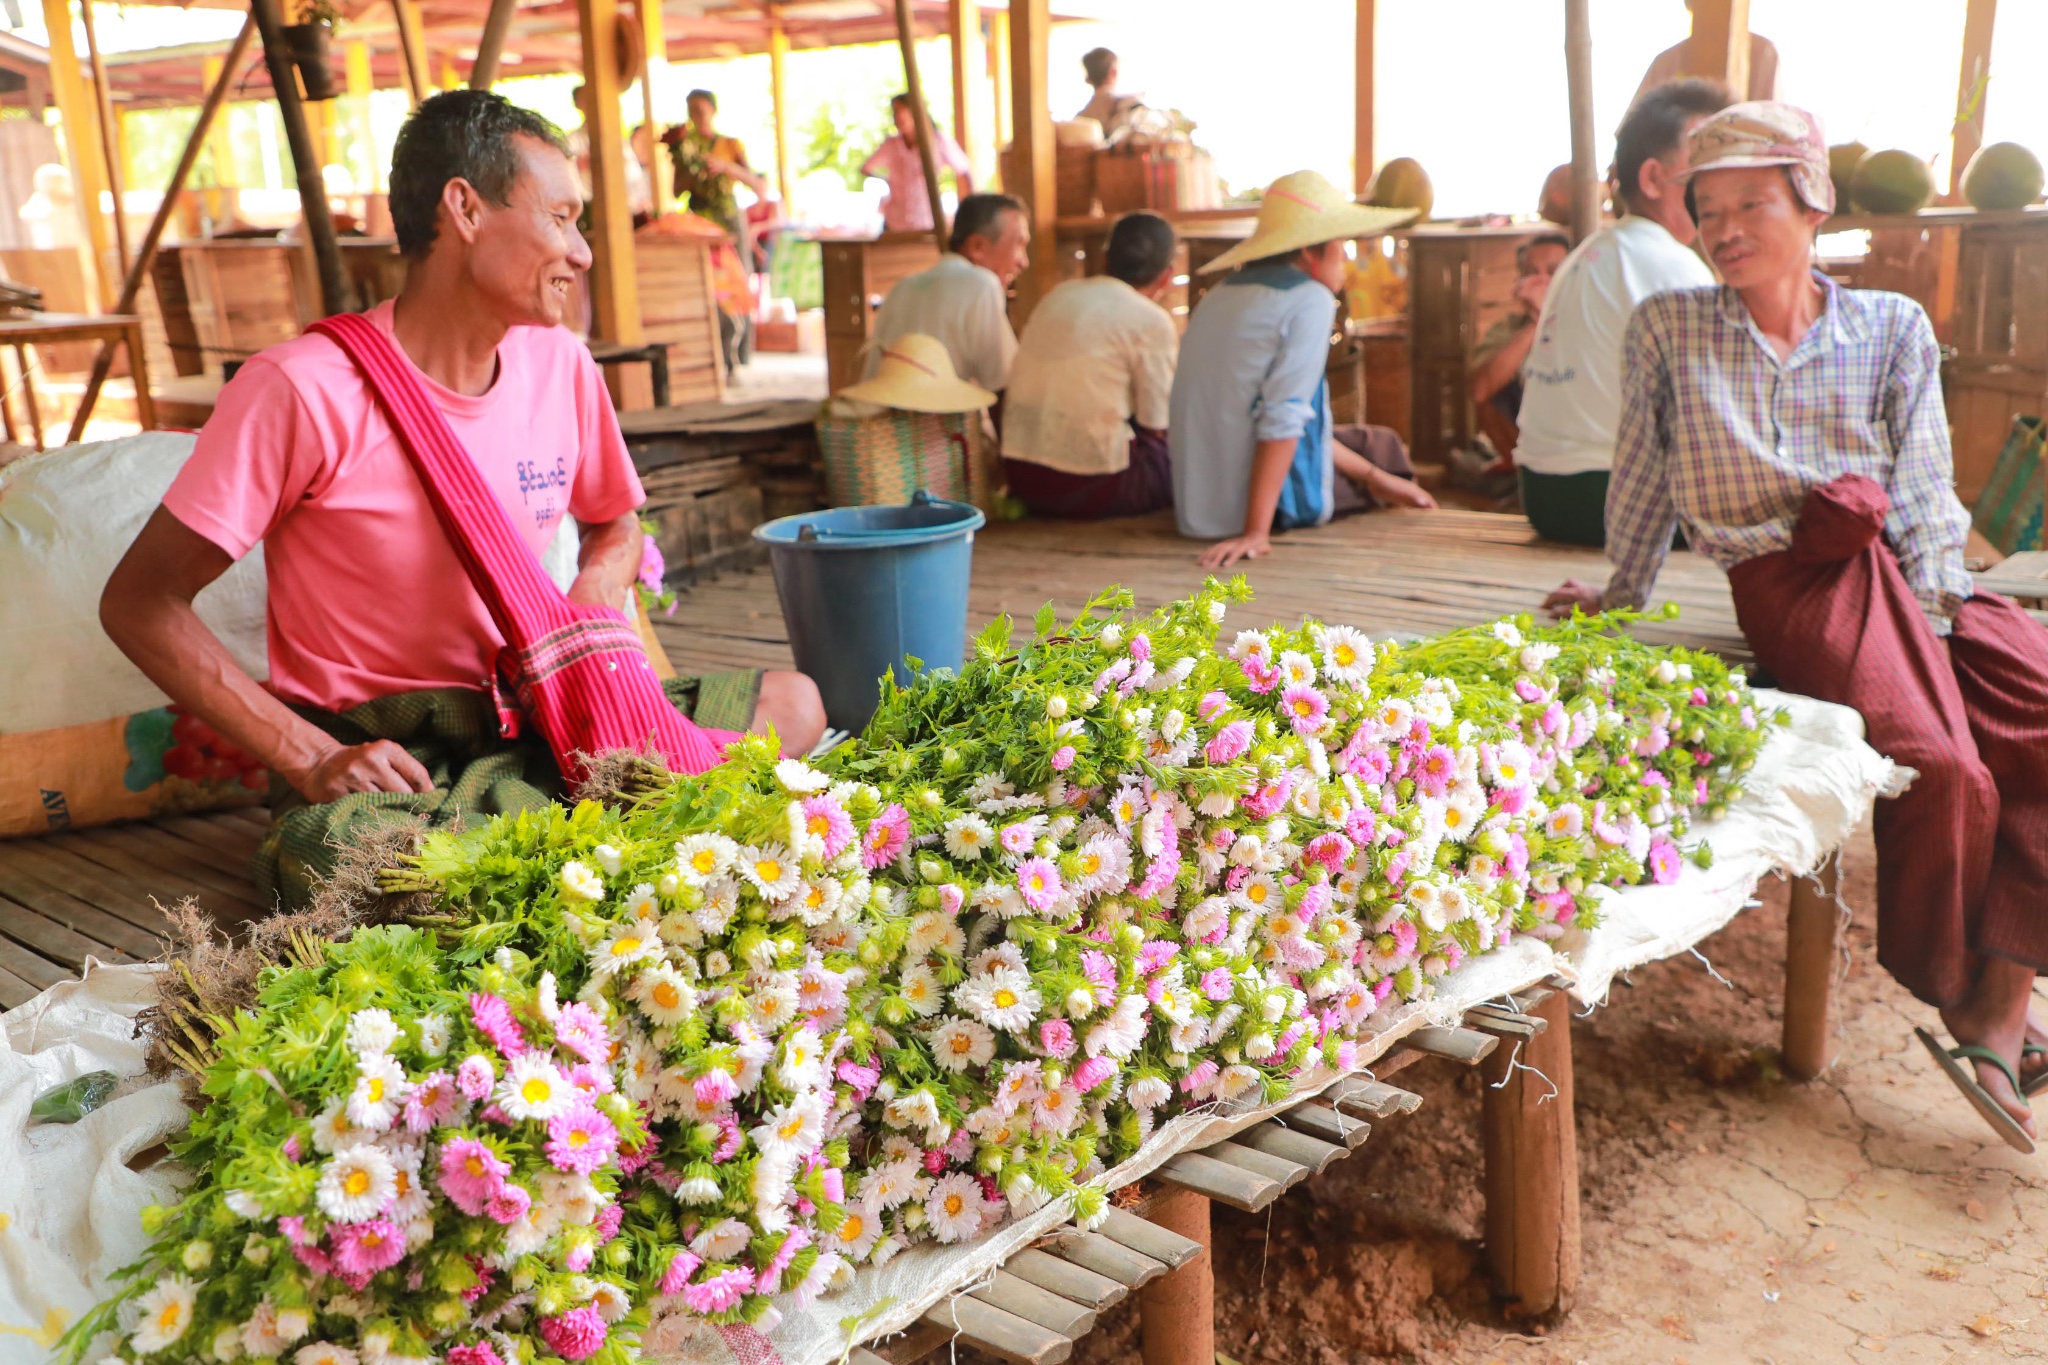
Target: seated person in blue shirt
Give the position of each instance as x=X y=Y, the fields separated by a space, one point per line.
x=1253 y=447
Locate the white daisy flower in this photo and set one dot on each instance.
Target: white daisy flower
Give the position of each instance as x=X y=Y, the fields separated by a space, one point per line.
x=332 y=1130
x=243 y=1205
x=1102 y=866
x=855 y=1236
x=723 y=1240
x=1297 y=669
x=771 y=869
x=165 y=1311
x=773 y=1003
x=1260 y=893
x=1251 y=644
x=928 y=929
x=800 y=777
x=292 y=1325
x=953 y=1208
x=1120 y=1034
x=610 y=1301
x=790 y=1132
x=921 y=990
x=641 y=902
x=919 y=1110
x=434 y=1034
x=969 y=836
x=958 y=1044
x=890 y=1183
x=356 y=1184
x=629 y=942
x=608 y=858
x=704 y=858
x=1347 y=655
x=1428 y=900
x=580 y=882
x=324 y=1353
x=1003 y=998
x=816 y=900
x=1506 y=632
x=1462 y=814
x=802 y=1066
x=663 y=995
x=533 y=1089
x=379 y=1092
x=372 y=1030
x=721 y=903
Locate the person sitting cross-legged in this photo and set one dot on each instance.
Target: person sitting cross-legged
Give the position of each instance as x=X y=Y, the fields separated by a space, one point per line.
x=1084 y=421
x=380 y=703
x=1795 y=429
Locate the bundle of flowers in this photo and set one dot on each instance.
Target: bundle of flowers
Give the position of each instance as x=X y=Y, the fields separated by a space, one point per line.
x=780 y=1021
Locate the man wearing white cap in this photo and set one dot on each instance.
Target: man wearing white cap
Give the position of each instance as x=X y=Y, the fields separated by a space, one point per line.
x=1249 y=422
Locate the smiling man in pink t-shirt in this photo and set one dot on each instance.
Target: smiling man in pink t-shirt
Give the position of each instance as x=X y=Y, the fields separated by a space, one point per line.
x=382 y=653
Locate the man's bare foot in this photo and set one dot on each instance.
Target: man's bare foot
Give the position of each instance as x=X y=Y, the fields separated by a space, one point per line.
x=1995 y=1016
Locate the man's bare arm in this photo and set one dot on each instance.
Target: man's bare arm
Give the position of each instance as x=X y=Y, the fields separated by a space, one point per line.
x=608 y=561
x=147 y=612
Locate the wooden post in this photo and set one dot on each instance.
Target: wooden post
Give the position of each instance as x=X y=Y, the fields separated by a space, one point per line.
x=362 y=84
x=222 y=146
x=145 y=256
x=412 y=50
x=1178 y=1310
x=778 y=98
x=1813 y=927
x=1719 y=46
x=284 y=83
x=970 y=64
x=1532 y=1167
x=483 y=72
x=103 y=107
x=906 y=39
x=1971 y=92
x=82 y=145
x=1364 y=151
x=999 y=70
x=615 y=302
x=1030 y=27
x=651 y=67
x=1578 y=68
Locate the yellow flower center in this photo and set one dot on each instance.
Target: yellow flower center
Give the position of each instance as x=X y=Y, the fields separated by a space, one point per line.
x=403 y=1184
x=954 y=1203
x=704 y=861
x=1302 y=706
x=1345 y=655
x=356 y=1183
x=666 y=995
x=1091 y=863
x=372 y=1239
x=578 y=1138
x=850 y=1230
x=768 y=870
x=816 y=898
x=375 y=1089
x=818 y=825
x=1005 y=997
x=790 y=1129
x=536 y=1090
x=1256 y=893
x=1454 y=817
x=168 y=1319
x=1283 y=926
x=474 y=1165
x=625 y=946
x=961 y=1045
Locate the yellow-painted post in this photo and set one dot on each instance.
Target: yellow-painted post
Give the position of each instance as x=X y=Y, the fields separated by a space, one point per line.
x=451 y=79
x=82 y=146
x=412 y=49
x=615 y=303
x=1032 y=154
x=217 y=140
x=1364 y=135
x=362 y=84
x=999 y=67
x=653 y=72
x=778 y=98
x=970 y=63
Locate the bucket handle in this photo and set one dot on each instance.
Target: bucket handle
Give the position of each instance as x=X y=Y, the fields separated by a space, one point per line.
x=810 y=532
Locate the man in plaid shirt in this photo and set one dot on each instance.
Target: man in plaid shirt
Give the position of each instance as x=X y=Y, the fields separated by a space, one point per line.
x=1796 y=431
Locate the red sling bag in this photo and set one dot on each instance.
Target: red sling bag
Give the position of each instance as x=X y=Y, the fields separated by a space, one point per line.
x=579 y=673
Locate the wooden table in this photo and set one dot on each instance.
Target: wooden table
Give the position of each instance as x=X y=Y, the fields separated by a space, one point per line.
x=42 y=329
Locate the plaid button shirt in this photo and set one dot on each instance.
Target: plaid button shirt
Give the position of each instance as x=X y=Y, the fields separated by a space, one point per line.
x=1718 y=434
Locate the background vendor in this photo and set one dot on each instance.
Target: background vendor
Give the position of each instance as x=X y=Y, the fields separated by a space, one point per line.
x=1496 y=364
x=708 y=164
x=382 y=653
x=908 y=206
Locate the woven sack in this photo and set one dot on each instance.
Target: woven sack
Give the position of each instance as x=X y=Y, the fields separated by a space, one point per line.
x=883 y=459
x=2009 y=509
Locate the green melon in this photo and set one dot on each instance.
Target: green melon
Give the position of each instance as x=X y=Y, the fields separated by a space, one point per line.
x=1842 y=163
x=1402 y=184
x=2004 y=175
x=1892 y=182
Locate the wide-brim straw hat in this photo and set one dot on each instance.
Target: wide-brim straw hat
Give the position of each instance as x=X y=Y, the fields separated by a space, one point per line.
x=1304 y=209
x=917 y=375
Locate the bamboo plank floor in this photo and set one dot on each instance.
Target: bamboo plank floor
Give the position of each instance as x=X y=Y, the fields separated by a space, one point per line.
x=1389 y=571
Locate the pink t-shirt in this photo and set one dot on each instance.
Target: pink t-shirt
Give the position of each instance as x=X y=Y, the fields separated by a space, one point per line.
x=367 y=597
x=907 y=208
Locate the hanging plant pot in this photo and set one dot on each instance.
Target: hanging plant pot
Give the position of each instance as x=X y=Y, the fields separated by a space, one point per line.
x=311 y=48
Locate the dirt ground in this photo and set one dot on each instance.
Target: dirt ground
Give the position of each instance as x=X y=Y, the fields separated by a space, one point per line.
x=1730 y=1215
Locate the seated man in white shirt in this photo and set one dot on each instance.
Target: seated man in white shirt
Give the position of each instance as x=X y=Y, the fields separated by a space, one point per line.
x=1571 y=383
x=964 y=299
x=1084 y=421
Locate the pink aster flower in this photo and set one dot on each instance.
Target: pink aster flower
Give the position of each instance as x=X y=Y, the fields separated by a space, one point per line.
x=471 y=1174
x=1217 y=983
x=1698 y=697
x=715 y=1087
x=480 y=1353
x=1092 y=1073
x=1265 y=802
x=1038 y=882
x=1018 y=838
x=1372 y=765
x=887 y=835
x=720 y=1293
x=1212 y=705
x=1063 y=758
x=314 y=1259
x=1159 y=874
x=1199 y=1077
x=576 y=1334
x=508 y=1205
x=1141 y=646
x=832 y=1184
x=1663 y=861
x=1527 y=689
x=862 y=1078
x=291 y=1148
x=1154 y=954
x=1654 y=743
x=1512 y=800
x=1229 y=744
x=1056 y=1036
x=1359 y=826
x=730 y=1139
x=493 y=1019
x=581 y=1140
x=1397 y=867
x=430 y=1102
x=935 y=1160
x=1517 y=861
x=1699 y=791
x=1437 y=770
x=579 y=1258
x=1306 y=708
x=578 y=1029
x=474 y=1078
x=681 y=1267
x=1111 y=676
x=1552 y=719
x=607 y=1222
x=1259 y=676
x=771 y=1274
x=367 y=1247
x=829 y=822
x=1331 y=850
x=1100 y=969
x=294 y=1229
x=951 y=898
x=592 y=1079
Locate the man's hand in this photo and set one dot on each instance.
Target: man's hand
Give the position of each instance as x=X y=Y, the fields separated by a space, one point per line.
x=1395 y=491
x=1531 y=290
x=596 y=589
x=719 y=165
x=1572 y=593
x=345 y=769
x=1225 y=553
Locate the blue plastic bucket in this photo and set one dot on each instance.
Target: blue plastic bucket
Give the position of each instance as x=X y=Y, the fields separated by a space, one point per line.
x=862 y=587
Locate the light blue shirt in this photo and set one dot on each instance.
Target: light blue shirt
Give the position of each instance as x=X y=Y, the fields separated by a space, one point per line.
x=1251 y=369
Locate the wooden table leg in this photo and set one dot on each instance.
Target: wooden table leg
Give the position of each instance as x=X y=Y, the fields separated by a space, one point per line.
x=1532 y=1167
x=7 y=409
x=1813 y=928
x=1178 y=1310
x=138 y=371
x=28 y=393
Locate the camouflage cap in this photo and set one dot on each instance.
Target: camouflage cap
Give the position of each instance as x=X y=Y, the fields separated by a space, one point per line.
x=1766 y=133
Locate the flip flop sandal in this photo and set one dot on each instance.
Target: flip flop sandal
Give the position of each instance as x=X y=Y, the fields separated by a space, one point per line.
x=2039 y=1082
x=1951 y=1061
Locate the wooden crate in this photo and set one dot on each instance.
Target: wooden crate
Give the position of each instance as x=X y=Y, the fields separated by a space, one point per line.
x=1460 y=282
x=1173 y=179
x=858 y=275
x=240 y=297
x=679 y=306
x=714 y=471
x=1999 y=367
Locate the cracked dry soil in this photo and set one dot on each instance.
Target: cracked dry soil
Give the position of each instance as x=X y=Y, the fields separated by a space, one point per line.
x=1729 y=1215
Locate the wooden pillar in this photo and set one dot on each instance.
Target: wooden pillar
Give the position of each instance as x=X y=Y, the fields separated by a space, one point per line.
x=103 y=110
x=490 y=47
x=82 y=145
x=412 y=50
x=284 y=83
x=615 y=304
x=1532 y=1167
x=655 y=42
x=1031 y=115
x=778 y=98
x=970 y=64
x=217 y=139
x=1971 y=91
x=362 y=84
x=1719 y=46
x=1813 y=927
x=1578 y=69
x=1178 y=1310
x=999 y=72
x=1364 y=147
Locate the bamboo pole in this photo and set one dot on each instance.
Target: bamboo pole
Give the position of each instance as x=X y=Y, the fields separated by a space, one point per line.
x=906 y=38
x=1971 y=90
x=145 y=256
x=103 y=99
x=82 y=147
x=1364 y=149
x=483 y=72
x=1813 y=927
x=778 y=99
x=284 y=83
x=412 y=51
x=1578 y=66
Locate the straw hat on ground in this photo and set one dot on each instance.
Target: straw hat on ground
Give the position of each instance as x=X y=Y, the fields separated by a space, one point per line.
x=916 y=375
x=1303 y=209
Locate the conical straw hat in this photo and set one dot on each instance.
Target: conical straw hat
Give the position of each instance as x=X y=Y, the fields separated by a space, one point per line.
x=916 y=375
x=1303 y=209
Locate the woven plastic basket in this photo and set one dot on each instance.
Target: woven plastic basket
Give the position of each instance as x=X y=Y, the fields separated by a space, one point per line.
x=882 y=460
